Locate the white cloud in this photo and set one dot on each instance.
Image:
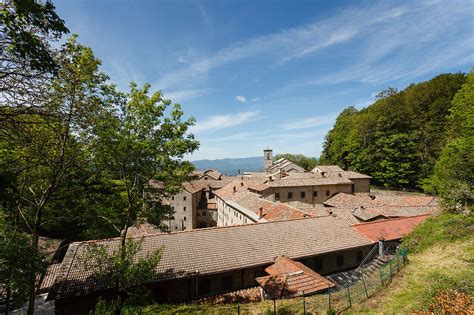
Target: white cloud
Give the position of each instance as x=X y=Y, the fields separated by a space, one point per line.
x=382 y=30
x=241 y=99
x=184 y=95
x=256 y=99
x=225 y=121
x=291 y=43
x=310 y=122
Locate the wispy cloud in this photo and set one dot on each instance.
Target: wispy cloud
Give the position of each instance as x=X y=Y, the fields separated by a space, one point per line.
x=311 y=122
x=241 y=99
x=184 y=95
x=388 y=54
x=225 y=121
x=256 y=99
x=382 y=30
x=291 y=43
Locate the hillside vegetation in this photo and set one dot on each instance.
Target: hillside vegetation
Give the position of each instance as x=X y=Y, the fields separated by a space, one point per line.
x=440 y=274
x=399 y=139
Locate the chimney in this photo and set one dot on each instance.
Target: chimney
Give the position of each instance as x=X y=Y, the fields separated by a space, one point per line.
x=242 y=184
x=260 y=212
x=235 y=189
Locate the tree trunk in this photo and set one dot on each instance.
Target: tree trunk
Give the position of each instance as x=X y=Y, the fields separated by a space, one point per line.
x=7 y=305
x=32 y=280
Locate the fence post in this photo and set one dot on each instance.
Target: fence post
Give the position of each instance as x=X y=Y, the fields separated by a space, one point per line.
x=398 y=265
x=329 y=299
x=365 y=286
x=274 y=307
x=381 y=276
x=304 y=305
x=349 y=295
x=390 y=265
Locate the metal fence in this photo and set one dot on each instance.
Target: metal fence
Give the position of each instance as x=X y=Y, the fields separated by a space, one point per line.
x=332 y=301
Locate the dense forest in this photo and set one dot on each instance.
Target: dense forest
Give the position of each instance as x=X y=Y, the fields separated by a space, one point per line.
x=417 y=138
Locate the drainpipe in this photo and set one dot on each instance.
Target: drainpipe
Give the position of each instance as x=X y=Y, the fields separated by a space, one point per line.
x=380 y=247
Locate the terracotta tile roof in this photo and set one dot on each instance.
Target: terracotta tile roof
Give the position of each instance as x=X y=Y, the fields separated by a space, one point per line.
x=389 y=230
x=355 y=175
x=288 y=278
x=328 y=168
x=367 y=207
x=213 y=174
x=215 y=250
x=49 y=277
x=200 y=184
x=271 y=211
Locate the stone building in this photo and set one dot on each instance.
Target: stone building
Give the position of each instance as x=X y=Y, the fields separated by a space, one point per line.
x=195 y=206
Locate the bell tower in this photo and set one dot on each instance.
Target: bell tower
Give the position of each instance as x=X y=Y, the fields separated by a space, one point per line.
x=267 y=158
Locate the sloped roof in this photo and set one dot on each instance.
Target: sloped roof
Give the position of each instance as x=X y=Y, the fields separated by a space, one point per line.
x=288 y=278
x=215 y=250
x=355 y=175
x=389 y=230
x=367 y=207
x=328 y=168
x=271 y=211
x=308 y=181
x=213 y=174
x=49 y=277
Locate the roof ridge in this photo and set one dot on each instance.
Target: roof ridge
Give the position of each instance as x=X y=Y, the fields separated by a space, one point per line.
x=199 y=230
x=392 y=219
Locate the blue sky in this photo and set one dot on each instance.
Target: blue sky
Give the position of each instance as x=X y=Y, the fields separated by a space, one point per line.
x=276 y=73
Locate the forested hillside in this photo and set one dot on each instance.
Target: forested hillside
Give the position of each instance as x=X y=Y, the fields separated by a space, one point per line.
x=399 y=138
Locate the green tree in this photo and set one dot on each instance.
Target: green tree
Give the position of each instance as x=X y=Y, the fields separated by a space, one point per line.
x=453 y=177
x=399 y=137
x=26 y=27
x=16 y=255
x=125 y=274
x=138 y=142
x=53 y=148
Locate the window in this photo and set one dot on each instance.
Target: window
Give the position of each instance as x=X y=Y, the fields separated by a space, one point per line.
x=227 y=283
x=315 y=193
x=184 y=198
x=327 y=192
x=204 y=286
x=359 y=256
x=318 y=264
x=198 y=214
x=277 y=196
x=184 y=218
x=339 y=260
x=172 y=198
x=303 y=194
x=184 y=208
x=290 y=195
x=172 y=207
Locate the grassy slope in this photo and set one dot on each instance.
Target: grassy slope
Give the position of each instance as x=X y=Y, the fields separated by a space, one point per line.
x=442 y=258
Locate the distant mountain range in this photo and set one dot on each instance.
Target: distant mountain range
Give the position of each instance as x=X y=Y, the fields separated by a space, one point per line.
x=230 y=166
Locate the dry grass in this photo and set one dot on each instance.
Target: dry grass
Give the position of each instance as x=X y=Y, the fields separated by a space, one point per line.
x=442 y=267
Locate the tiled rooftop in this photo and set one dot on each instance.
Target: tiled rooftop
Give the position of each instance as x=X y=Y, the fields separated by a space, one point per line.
x=288 y=278
x=215 y=250
x=389 y=230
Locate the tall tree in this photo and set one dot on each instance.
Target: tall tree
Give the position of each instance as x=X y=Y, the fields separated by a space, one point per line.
x=139 y=142
x=453 y=177
x=27 y=61
x=53 y=146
